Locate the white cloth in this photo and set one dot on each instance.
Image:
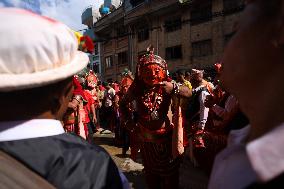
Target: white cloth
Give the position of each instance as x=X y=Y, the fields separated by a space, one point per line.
x=203 y=111
x=240 y=164
x=46 y=50
x=109 y=94
x=19 y=130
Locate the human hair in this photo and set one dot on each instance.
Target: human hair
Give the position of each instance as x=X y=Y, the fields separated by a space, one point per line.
x=180 y=73
x=32 y=101
x=187 y=73
x=105 y=84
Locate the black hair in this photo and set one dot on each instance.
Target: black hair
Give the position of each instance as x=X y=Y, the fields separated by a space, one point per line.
x=35 y=100
x=187 y=73
x=105 y=84
x=180 y=73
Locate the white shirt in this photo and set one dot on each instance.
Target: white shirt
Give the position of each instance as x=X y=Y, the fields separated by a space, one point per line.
x=203 y=111
x=19 y=130
x=240 y=164
x=109 y=94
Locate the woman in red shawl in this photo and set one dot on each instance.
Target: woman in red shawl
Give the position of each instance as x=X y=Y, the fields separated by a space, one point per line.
x=91 y=84
x=77 y=118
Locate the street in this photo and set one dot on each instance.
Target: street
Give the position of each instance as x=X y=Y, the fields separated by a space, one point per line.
x=190 y=177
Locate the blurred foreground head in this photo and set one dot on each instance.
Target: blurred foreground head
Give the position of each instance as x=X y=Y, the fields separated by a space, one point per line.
x=38 y=57
x=254 y=61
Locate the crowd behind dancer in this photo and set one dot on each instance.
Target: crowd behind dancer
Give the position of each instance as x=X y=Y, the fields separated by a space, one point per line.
x=108 y=113
x=128 y=133
x=204 y=137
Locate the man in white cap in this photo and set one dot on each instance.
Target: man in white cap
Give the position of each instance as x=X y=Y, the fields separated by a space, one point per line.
x=38 y=57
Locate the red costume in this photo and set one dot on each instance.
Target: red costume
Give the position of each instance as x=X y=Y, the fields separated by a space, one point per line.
x=153 y=126
x=128 y=132
x=77 y=115
x=92 y=80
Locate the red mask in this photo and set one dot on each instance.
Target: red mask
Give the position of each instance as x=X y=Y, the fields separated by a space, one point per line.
x=91 y=81
x=125 y=84
x=152 y=69
x=153 y=74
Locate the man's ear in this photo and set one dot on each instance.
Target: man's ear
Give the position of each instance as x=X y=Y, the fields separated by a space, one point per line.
x=62 y=97
x=65 y=91
x=69 y=90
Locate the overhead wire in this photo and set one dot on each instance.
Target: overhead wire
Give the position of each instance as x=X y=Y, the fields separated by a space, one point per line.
x=182 y=22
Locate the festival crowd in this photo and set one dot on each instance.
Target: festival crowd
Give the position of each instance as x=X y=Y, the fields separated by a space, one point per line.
x=165 y=118
x=51 y=112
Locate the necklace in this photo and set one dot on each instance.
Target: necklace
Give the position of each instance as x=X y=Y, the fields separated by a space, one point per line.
x=152 y=100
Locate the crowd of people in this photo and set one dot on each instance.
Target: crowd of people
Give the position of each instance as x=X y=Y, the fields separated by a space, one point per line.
x=94 y=106
x=165 y=119
x=231 y=127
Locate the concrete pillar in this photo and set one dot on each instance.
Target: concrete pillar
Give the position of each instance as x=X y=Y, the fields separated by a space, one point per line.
x=217 y=30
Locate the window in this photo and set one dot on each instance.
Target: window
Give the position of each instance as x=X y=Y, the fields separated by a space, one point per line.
x=121 y=31
x=109 y=61
x=232 y=6
x=143 y=34
x=122 y=58
x=96 y=68
x=135 y=3
x=173 y=24
x=202 y=48
x=201 y=13
x=173 y=52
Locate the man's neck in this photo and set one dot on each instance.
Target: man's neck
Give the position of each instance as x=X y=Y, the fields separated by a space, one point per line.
x=17 y=116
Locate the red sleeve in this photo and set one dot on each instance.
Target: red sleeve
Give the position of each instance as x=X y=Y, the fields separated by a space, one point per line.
x=89 y=98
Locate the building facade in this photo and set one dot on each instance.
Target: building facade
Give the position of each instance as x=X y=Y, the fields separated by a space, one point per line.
x=190 y=35
x=114 y=44
x=89 y=16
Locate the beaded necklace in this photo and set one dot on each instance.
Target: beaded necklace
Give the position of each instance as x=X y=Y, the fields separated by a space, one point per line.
x=152 y=100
